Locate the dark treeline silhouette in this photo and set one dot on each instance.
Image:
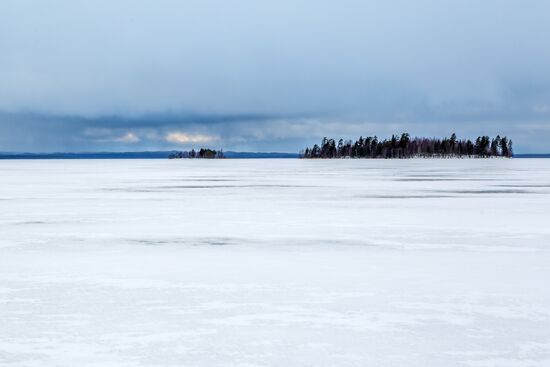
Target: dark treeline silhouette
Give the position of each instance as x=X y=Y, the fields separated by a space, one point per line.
x=202 y=153
x=406 y=147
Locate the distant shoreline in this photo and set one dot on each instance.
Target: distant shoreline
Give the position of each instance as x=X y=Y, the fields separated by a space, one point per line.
x=137 y=155
x=165 y=155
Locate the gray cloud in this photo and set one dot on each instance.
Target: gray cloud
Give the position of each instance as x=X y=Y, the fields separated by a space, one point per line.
x=270 y=75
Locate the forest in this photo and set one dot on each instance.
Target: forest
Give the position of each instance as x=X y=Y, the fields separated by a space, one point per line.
x=202 y=153
x=404 y=146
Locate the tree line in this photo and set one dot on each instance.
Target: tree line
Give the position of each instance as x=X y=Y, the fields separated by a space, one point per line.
x=202 y=153
x=406 y=147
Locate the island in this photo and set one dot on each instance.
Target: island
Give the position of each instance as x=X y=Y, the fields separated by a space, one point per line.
x=404 y=146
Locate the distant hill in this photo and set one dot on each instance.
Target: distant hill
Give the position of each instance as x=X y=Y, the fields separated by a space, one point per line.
x=231 y=154
x=135 y=155
x=547 y=155
x=95 y=155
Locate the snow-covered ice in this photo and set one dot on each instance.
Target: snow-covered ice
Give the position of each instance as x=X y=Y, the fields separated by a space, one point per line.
x=275 y=263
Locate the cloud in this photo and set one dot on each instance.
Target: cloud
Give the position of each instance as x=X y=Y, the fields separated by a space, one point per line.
x=34 y=132
x=107 y=135
x=129 y=137
x=183 y=138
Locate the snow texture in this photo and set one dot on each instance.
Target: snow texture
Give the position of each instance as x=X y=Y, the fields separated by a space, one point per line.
x=275 y=263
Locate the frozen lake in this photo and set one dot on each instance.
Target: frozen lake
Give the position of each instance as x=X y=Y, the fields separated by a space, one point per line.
x=275 y=263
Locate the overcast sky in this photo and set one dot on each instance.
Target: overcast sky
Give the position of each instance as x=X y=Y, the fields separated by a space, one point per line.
x=270 y=75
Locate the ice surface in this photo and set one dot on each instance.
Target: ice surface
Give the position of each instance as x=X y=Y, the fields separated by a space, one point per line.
x=275 y=263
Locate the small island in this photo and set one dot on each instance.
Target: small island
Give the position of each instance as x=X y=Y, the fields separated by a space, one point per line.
x=406 y=147
x=202 y=153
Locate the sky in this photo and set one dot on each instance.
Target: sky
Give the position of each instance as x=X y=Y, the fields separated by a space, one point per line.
x=269 y=75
